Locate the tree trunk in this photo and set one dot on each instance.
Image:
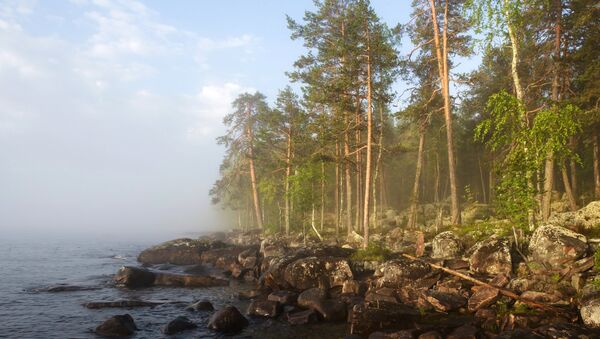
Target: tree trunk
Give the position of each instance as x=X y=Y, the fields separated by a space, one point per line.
x=596 y=161
x=568 y=191
x=337 y=189
x=255 y=197
x=349 y=227
x=369 y=148
x=377 y=166
x=288 y=173
x=442 y=58
x=322 y=221
x=549 y=167
x=573 y=165
x=412 y=213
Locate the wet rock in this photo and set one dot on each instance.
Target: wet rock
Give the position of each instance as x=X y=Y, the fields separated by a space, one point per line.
x=302 y=317
x=491 y=256
x=227 y=320
x=399 y=272
x=430 y=335
x=463 y=332
x=305 y=273
x=556 y=247
x=366 y=318
x=483 y=297
x=179 y=324
x=310 y=297
x=66 y=288
x=445 y=302
x=264 y=308
x=224 y=257
x=120 y=304
x=446 y=245
x=202 y=305
x=249 y=294
x=331 y=310
x=134 y=277
x=185 y=280
x=183 y=251
x=116 y=326
x=283 y=297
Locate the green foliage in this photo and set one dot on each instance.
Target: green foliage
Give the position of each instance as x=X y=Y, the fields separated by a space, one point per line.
x=482 y=230
x=597 y=260
x=373 y=252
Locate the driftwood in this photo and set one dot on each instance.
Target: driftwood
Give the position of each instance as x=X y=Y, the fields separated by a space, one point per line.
x=502 y=291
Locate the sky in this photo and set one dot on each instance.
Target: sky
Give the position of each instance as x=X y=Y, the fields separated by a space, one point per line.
x=109 y=109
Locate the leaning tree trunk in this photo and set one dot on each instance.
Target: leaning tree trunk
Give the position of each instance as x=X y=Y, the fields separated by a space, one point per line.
x=442 y=59
x=568 y=190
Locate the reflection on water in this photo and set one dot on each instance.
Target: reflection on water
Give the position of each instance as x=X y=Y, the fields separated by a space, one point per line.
x=26 y=311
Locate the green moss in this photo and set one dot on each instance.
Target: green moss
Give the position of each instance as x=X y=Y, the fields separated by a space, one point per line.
x=374 y=252
x=597 y=260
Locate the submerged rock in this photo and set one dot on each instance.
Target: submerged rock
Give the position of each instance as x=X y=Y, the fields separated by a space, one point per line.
x=179 y=324
x=202 y=305
x=446 y=245
x=556 y=246
x=227 y=320
x=117 y=326
x=120 y=304
x=491 y=256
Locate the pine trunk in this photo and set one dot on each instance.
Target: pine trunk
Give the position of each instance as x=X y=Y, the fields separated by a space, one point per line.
x=414 y=200
x=257 y=210
x=596 y=161
x=367 y=185
x=568 y=191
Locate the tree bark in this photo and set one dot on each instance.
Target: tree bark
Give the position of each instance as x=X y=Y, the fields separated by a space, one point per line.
x=322 y=216
x=377 y=166
x=442 y=58
x=349 y=227
x=568 y=190
x=337 y=189
x=288 y=173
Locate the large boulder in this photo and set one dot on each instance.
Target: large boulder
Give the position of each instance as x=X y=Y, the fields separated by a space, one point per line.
x=399 y=272
x=273 y=247
x=117 y=326
x=446 y=245
x=135 y=277
x=182 y=251
x=227 y=320
x=311 y=297
x=307 y=272
x=585 y=218
x=491 y=256
x=556 y=246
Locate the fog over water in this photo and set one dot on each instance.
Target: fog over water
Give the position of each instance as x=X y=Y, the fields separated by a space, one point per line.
x=109 y=110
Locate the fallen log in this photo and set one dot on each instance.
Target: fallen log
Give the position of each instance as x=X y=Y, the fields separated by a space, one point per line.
x=502 y=290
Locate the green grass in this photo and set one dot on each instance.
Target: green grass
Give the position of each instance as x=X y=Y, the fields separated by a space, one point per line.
x=374 y=252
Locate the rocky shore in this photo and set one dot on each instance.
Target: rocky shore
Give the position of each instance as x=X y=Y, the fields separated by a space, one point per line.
x=548 y=287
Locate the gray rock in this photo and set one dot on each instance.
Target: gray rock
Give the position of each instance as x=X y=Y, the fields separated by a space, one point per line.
x=134 y=277
x=305 y=273
x=491 y=256
x=202 y=305
x=331 y=310
x=446 y=245
x=445 y=302
x=117 y=326
x=556 y=246
x=399 y=272
x=182 y=251
x=587 y=217
x=264 y=308
x=590 y=312
x=283 y=297
x=310 y=297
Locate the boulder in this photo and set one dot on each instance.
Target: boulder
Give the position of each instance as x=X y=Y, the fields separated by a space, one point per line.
x=302 y=317
x=264 y=308
x=403 y=334
x=491 y=256
x=186 y=280
x=430 y=335
x=283 y=297
x=399 y=272
x=385 y=294
x=117 y=326
x=305 y=273
x=134 y=277
x=463 y=332
x=351 y=287
x=446 y=245
x=202 y=305
x=182 y=251
x=227 y=320
x=310 y=297
x=590 y=312
x=556 y=246
x=248 y=258
x=273 y=247
x=366 y=318
x=585 y=218
x=483 y=297
x=179 y=324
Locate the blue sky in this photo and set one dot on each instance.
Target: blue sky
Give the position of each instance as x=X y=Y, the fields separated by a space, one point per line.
x=109 y=109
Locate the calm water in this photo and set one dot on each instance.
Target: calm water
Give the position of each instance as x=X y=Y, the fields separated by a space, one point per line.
x=27 y=313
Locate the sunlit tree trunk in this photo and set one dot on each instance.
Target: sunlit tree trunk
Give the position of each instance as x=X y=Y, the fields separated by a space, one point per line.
x=349 y=227
x=568 y=190
x=322 y=216
x=338 y=189
x=255 y=197
x=442 y=59
x=288 y=173
x=414 y=199
x=369 y=160
x=377 y=167
x=596 y=164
